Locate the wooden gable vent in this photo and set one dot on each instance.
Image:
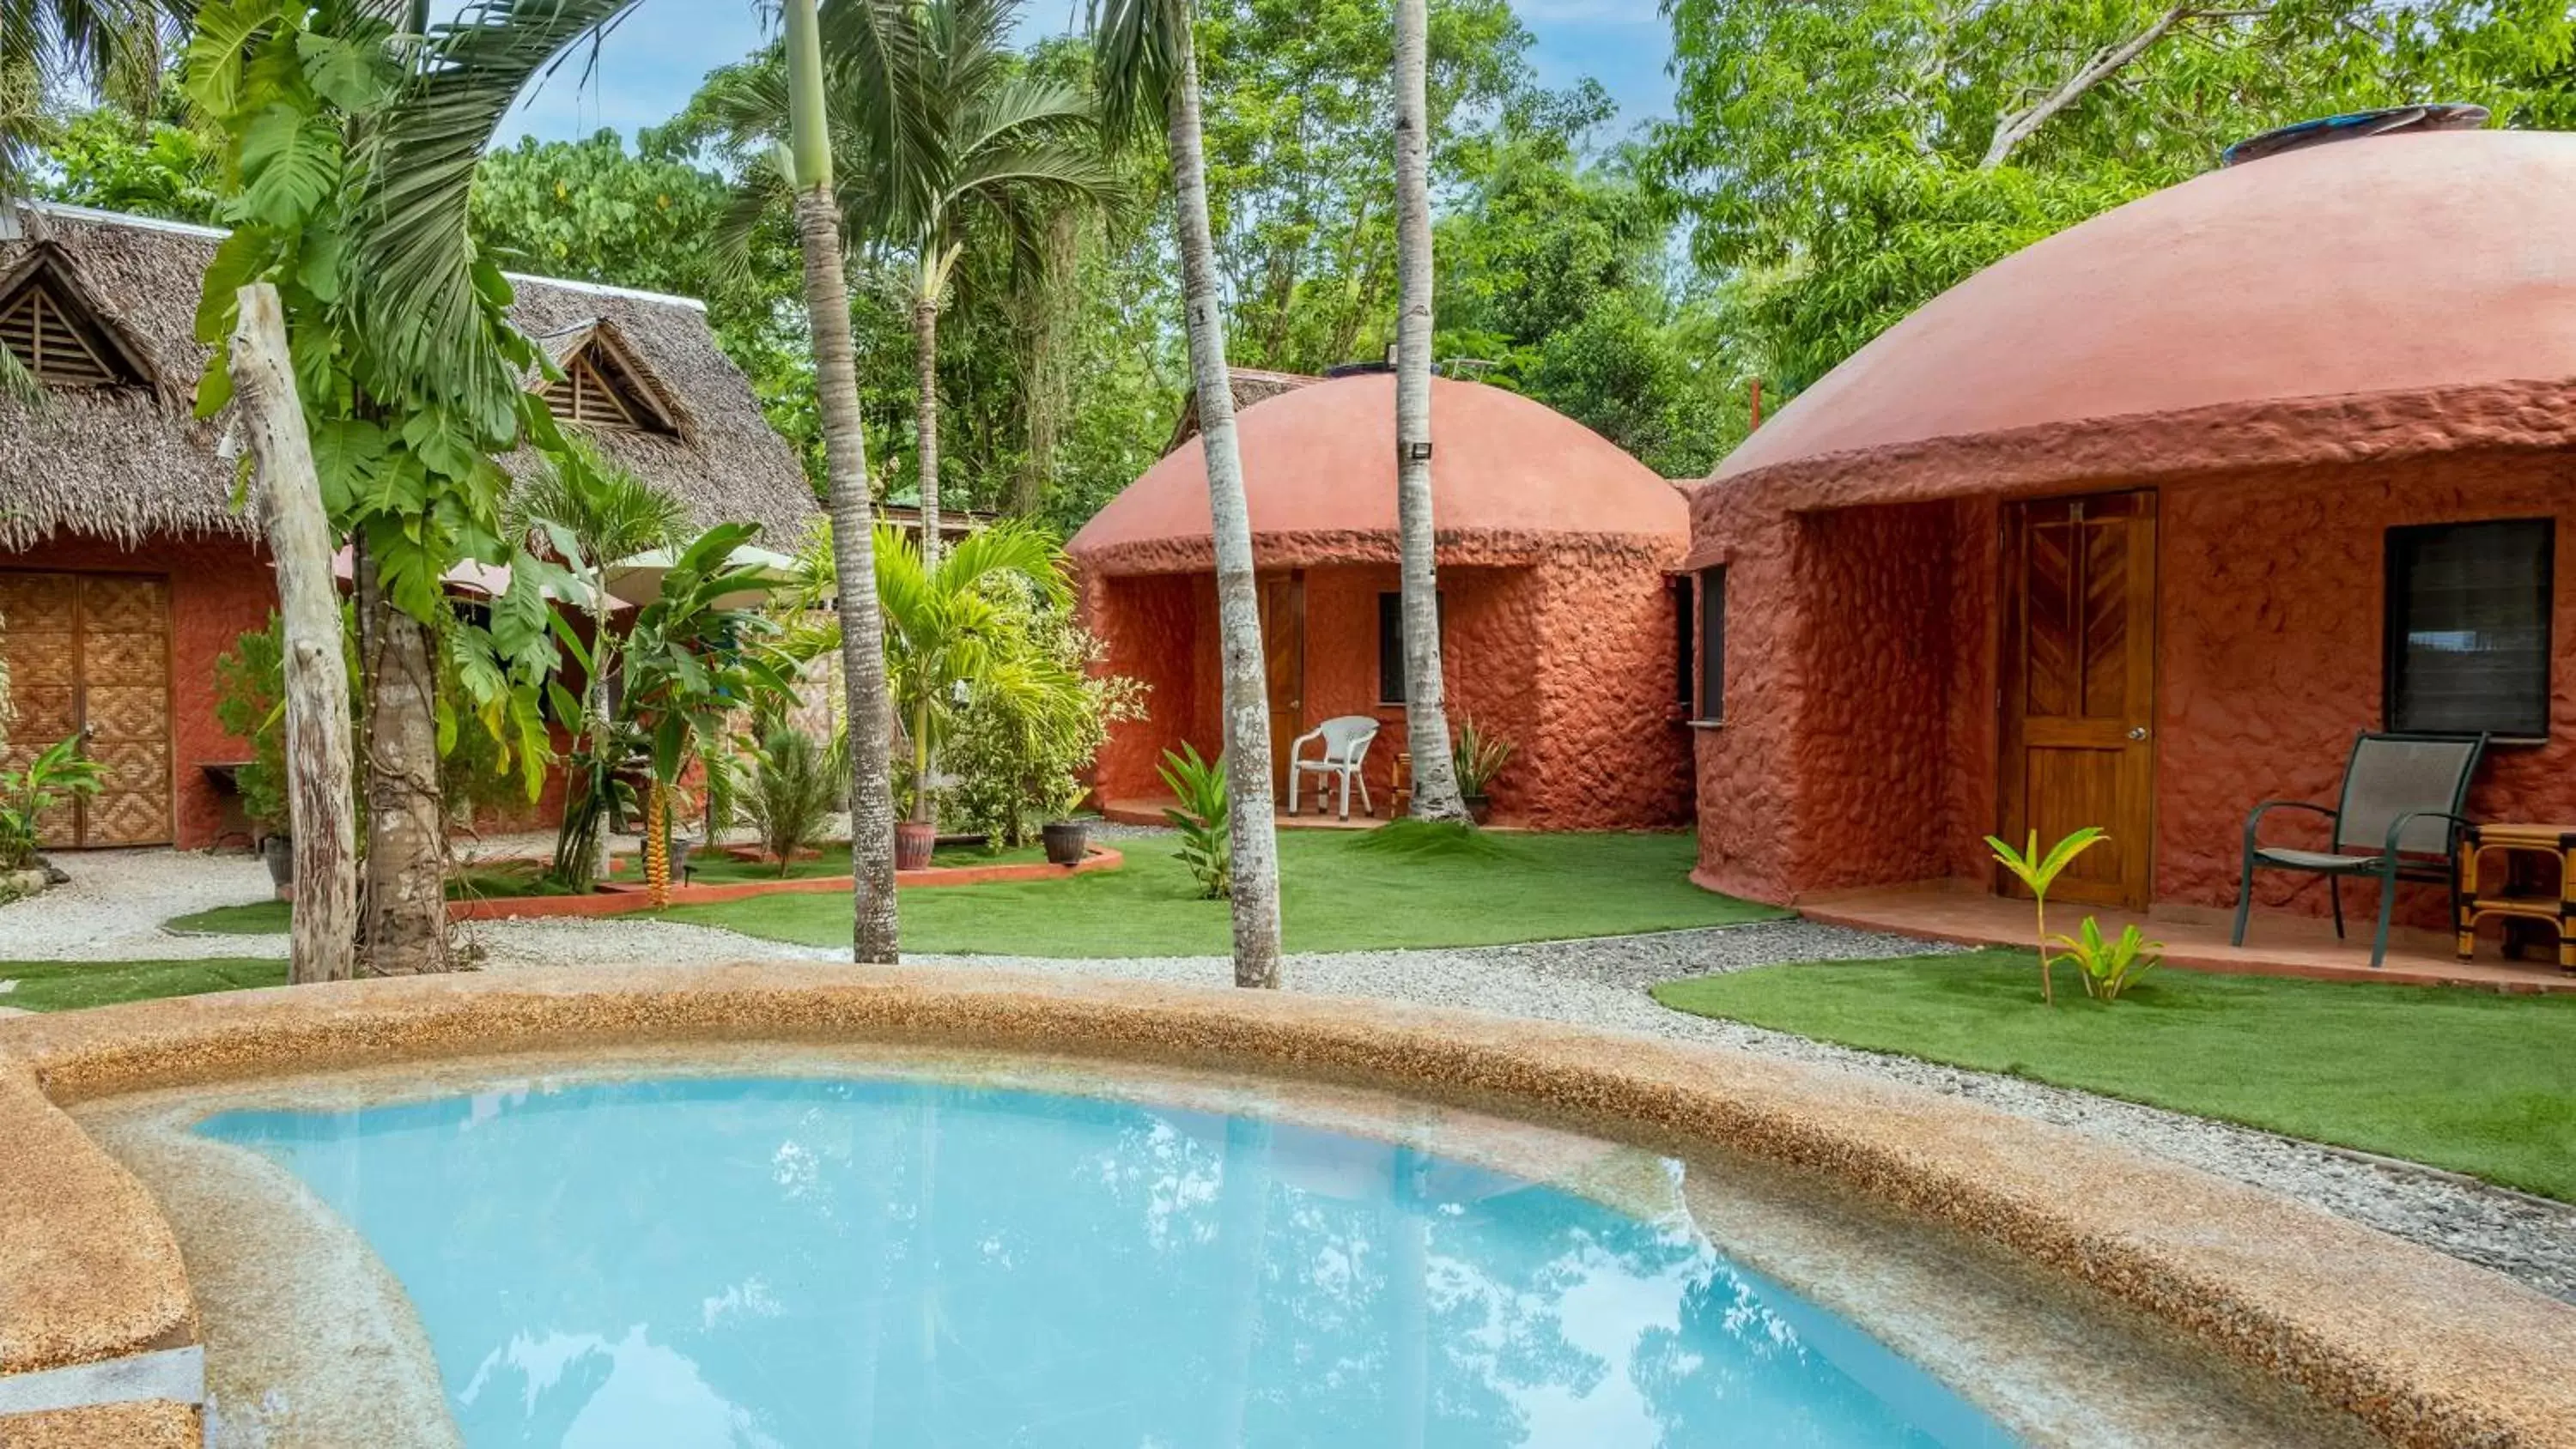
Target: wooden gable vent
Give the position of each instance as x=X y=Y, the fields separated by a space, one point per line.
x=603 y=387
x=58 y=339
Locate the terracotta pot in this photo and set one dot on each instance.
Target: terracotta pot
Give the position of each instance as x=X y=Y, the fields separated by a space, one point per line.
x=1480 y=808
x=914 y=840
x=1065 y=841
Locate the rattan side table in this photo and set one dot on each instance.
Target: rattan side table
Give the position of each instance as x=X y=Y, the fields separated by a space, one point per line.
x=2557 y=911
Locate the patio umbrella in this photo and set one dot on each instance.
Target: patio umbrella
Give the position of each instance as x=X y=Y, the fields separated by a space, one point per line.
x=638 y=580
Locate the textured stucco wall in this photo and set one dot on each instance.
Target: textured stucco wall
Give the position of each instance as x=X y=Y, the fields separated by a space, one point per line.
x=2271 y=653
x=1861 y=735
x=1572 y=661
x=219 y=588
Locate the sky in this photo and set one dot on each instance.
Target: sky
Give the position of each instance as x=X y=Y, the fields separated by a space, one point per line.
x=652 y=64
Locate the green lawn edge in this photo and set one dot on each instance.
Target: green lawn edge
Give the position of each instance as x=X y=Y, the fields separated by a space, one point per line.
x=2475 y=1082
x=72 y=985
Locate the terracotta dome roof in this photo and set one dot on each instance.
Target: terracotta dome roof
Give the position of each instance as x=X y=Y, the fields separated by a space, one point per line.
x=1509 y=477
x=2389 y=265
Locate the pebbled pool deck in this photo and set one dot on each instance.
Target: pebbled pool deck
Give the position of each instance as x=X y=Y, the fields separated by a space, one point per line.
x=2420 y=1347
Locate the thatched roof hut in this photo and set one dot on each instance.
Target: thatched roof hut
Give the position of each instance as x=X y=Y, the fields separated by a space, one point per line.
x=1249 y=385
x=128 y=461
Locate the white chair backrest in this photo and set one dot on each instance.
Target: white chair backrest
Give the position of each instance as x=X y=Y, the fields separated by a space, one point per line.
x=1346 y=737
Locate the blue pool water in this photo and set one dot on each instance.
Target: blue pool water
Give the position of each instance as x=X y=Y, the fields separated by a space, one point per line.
x=794 y=1262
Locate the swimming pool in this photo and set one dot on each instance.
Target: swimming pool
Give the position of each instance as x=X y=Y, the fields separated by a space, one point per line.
x=797 y=1260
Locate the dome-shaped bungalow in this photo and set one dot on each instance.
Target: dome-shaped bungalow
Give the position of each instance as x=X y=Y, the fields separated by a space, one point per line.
x=2142 y=525
x=1554 y=550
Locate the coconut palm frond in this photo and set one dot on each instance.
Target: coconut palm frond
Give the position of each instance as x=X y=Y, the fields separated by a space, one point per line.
x=425 y=280
x=1138 y=51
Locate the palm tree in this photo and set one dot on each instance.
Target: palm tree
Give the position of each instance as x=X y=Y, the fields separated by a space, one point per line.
x=954 y=134
x=945 y=629
x=593 y=513
x=1147 y=63
x=806 y=165
x=1426 y=714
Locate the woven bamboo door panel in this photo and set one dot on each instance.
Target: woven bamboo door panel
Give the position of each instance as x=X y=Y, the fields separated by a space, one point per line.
x=2080 y=687
x=40 y=637
x=125 y=705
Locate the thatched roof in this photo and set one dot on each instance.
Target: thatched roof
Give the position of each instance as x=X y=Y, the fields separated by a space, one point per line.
x=1250 y=385
x=129 y=463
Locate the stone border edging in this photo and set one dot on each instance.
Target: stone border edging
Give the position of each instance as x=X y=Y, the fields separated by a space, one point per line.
x=2425 y=1349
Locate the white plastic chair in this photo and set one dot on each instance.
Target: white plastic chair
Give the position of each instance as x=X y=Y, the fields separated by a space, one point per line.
x=1346 y=740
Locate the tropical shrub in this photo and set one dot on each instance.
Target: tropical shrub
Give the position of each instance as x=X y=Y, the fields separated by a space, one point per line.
x=1478 y=756
x=793 y=789
x=2110 y=967
x=250 y=703
x=1201 y=818
x=2039 y=872
x=1016 y=757
x=59 y=773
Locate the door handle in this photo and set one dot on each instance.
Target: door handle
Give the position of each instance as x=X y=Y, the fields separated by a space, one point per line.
x=2137 y=732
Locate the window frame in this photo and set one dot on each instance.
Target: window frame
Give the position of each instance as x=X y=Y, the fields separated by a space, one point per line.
x=2397 y=553
x=1708 y=635
x=1394 y=599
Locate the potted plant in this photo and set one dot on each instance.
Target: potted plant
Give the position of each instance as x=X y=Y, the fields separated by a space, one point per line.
x=1066 y=838
x=250 y=704
x=1478 y=757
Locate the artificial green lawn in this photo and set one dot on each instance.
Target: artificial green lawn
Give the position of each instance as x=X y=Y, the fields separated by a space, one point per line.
x=270 y=918
x=1337 y=894
x=2473 y=1081
x=66 y=985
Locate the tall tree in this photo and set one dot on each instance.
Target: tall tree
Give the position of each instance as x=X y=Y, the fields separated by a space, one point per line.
x=46 y=45
x=807 y=164
x=1426 y=713
x=1148 y=63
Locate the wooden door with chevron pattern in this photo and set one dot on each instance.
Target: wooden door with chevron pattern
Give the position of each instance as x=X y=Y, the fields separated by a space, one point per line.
x=89 y=654
x=2079 y=687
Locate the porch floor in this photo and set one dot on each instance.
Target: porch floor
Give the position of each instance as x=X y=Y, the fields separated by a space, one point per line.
x=1148 y=810
x=2196 y=938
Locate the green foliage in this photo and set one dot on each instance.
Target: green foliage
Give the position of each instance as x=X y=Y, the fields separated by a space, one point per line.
x=1840 y=158
x=250 y=703
x=1017 y=757
x=2038 y=872
x=1201 y=817
x=2110 y=967
x=150 y=166
x=692 y=658
x=1478 y=756
x=57 y=775
x=795 y=789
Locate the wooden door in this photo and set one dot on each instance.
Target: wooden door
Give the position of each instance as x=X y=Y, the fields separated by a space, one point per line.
x=1283 y=645
x=2079 y=687
x=90 y=654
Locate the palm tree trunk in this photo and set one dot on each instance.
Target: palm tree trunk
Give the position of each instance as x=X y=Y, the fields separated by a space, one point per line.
x=1238 y=602
x=1426 y=713
x=875 y=934
x=320 y=812
x=403 y=926
x=604 y=782
x=925 y=413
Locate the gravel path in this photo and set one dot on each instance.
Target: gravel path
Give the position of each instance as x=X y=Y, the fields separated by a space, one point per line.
x=112 y=909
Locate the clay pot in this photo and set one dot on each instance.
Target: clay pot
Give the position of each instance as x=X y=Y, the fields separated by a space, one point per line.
x=1480 y=808
x=914 y=840
x=1065 y=841
x=277 y=852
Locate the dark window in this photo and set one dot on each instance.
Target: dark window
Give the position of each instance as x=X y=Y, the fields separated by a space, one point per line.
x=1712 y=644
x=1683 y=635
x=2468 y=628
x=1390 y=643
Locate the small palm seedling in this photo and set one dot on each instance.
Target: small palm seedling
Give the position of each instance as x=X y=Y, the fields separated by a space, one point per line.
x=2110 y=967
x=1201 y=817
x=2039 y=872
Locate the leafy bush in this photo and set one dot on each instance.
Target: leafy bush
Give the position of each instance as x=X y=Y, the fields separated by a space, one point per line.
x=794 y=789
x=2110 y=967
x=1016 y=755
x=250 y=703
x=60 y=773
x=1478 y=757
x=1201 y=819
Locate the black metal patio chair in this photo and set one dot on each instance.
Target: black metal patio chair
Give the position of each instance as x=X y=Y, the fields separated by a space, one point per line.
x=2398 y=818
